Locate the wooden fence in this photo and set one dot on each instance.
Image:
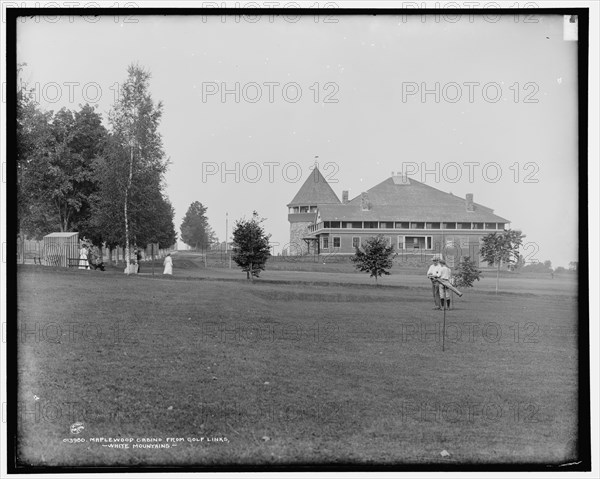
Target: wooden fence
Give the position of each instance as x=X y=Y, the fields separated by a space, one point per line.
x=34 y=252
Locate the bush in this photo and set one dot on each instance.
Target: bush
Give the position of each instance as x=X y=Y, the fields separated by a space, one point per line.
x=466 y=273
x=376 y=258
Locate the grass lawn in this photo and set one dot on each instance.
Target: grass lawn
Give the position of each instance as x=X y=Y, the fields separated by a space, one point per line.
x=279 y=373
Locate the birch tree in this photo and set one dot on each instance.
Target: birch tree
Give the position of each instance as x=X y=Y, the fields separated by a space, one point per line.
x=134 y=121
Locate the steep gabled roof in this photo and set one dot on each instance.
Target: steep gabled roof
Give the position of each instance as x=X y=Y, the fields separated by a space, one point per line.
x=410 y=200
x=315 y=191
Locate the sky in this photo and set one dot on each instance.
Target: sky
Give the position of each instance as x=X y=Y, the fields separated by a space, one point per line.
x=498 y=119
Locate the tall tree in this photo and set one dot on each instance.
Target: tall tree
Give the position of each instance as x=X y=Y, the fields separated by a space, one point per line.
x=111 y=171
x=33 y=142
x=134 y=121
x=55 y=179
x=375 y=257
x=155 y=221
x=33 y=139
x=251 y=248
x=195 y=230
x=501 y=248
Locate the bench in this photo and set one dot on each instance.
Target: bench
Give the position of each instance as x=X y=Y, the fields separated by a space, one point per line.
x=37 y=258
x=76 y=262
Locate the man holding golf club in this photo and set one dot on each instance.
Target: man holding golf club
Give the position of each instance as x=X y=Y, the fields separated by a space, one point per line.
x=432 y=273
x=444 y=274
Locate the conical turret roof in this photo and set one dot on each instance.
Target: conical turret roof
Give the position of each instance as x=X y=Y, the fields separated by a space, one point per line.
x=315 y=191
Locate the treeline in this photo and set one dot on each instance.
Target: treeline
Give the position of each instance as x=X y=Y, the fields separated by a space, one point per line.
x=73 y=174
x=546 y=267
x=195 y=230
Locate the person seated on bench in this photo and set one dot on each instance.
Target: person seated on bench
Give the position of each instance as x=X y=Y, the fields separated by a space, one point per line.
x=94 y=260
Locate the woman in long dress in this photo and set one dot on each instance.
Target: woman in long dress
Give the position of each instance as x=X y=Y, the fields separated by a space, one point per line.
x=83 y=258
x=168 y=263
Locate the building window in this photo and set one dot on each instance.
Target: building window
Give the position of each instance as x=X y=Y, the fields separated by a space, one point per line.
x=449 y=226
x=357 y=224
x=418 y=243
x=337 y=242
x=335 y=224
x=388 y=240
x=477 y=226
x=326 y=224
x=417 y=226
x=304 y=209
x=500 y=226
x=386 y=225
x=371 y=224
x=325 y=242
x=464 y=226
x=402 y=225
x=400 y=242
x=355 y=242
x=490 y=226
x=432 y=226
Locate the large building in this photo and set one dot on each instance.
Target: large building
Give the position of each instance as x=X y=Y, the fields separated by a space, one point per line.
x=417 y=219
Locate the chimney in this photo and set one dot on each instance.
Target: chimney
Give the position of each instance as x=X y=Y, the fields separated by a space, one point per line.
x=469 y=202
x=365 y=204
x=400 y=178
x=345 y=197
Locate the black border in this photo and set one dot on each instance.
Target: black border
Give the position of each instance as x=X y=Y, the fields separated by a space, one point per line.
x=584 y=431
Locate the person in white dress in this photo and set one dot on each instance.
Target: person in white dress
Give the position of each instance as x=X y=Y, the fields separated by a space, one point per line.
x=168 y=263
x=83 y=258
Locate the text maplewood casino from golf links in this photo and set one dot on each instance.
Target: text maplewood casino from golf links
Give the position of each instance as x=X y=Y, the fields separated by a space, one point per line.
x=147 y=442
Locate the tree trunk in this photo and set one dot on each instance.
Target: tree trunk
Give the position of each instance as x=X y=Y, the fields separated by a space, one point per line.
x=125 y=210
x=497 y=276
